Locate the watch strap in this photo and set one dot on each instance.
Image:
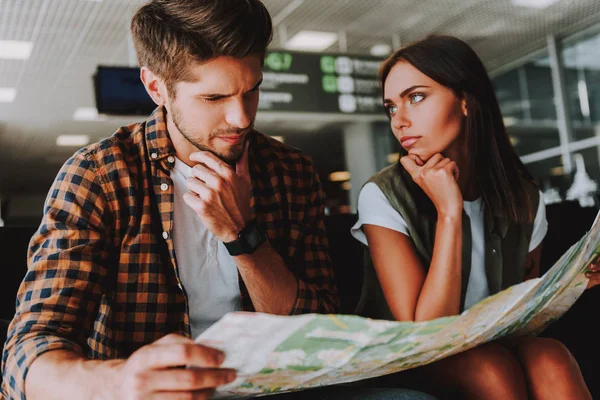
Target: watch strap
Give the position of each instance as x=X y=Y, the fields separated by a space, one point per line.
x=249 y=239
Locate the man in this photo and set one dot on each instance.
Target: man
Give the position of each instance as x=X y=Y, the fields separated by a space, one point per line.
x=153 y=234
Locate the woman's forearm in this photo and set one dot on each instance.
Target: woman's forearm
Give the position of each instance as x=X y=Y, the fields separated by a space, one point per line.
x=441 y=292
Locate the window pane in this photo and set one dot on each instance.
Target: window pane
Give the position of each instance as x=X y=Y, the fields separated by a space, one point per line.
x=582 y=64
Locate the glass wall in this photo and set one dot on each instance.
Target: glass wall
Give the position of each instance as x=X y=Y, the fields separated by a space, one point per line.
x=526 y=98
x=526 y=93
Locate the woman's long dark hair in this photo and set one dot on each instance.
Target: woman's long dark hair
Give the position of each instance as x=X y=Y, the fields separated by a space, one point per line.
x=498 y=171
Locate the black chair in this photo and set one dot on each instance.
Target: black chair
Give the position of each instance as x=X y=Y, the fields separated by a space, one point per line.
x=567 y=223
x=14 y=242
x=346 y=255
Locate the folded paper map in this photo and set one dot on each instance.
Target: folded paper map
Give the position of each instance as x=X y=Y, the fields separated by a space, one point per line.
x=275 y=354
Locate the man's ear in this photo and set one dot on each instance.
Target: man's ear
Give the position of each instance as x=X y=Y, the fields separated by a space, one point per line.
x=154 y=86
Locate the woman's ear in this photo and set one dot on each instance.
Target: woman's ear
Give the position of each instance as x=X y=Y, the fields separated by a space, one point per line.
x=463 y=106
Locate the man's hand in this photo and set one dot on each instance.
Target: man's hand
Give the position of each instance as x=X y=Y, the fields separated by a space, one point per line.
x=219 y=195
x=173 y=367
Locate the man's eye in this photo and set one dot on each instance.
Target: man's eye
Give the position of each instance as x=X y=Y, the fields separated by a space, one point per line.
x=416 y=98
x=211 y=99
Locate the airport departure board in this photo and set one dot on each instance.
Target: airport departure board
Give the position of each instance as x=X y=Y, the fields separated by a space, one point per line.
x=323 y=83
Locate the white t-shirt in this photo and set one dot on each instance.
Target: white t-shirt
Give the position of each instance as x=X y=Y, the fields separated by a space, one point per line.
x=206 y=270
x=374 y=209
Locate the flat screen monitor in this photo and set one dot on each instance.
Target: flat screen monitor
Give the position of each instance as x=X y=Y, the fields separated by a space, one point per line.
x=119 y=91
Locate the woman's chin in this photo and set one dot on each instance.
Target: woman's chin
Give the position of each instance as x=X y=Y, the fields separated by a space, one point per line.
x=420 y=155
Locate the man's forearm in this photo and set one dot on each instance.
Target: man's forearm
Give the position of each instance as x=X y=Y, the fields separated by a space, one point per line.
x=62 y=374
x=272 y=286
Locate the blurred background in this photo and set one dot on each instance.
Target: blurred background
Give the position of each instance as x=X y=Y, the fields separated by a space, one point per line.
x=68 y=77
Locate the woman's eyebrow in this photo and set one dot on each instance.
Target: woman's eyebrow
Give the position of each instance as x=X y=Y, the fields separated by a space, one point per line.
x=410 y=89
x=406 y=91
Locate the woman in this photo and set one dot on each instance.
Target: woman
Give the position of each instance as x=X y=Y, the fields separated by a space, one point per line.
x=457 y=219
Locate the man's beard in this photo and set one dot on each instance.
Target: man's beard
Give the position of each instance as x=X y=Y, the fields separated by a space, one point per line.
x=238 y=149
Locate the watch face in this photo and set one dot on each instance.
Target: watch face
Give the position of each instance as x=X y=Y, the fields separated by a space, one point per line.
x=254 y=238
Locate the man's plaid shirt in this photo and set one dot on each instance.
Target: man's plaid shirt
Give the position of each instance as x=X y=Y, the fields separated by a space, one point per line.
x=102 y=276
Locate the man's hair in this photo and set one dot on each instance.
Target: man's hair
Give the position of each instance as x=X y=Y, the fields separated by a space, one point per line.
x=170 y=35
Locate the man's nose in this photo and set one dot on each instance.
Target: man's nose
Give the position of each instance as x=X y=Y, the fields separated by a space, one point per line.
x=237 y=115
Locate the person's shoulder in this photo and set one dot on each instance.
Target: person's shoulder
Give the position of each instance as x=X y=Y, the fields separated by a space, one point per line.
x=105 y=153
x=271 y=150
x=388 y=175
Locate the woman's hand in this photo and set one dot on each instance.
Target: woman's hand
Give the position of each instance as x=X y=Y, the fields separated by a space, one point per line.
x=593 y=273
x=439 y=180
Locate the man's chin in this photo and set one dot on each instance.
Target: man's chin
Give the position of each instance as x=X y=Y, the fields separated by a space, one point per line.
x=232 y=155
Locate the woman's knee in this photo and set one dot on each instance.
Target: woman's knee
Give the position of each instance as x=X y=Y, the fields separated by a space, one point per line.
x=544 y=353
x=484 y=369
x=493 y=364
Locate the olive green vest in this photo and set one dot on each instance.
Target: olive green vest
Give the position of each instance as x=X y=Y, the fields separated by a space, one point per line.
x=506 y=244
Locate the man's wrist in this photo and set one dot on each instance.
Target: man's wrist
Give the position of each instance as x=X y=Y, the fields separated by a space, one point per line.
x=103 y=375
x=248 y=240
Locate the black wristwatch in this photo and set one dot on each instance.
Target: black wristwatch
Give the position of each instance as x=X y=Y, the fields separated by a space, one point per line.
x=249 y=239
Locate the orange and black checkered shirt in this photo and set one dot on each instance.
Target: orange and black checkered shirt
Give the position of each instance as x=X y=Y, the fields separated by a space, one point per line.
x=102 y=277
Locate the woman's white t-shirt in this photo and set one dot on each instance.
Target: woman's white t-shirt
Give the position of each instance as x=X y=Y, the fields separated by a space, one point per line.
x=374 y=209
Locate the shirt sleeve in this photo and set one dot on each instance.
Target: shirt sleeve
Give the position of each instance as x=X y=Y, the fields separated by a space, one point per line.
x=58 y=299
x=375 y=209
x=317 y=291
x=540 y=225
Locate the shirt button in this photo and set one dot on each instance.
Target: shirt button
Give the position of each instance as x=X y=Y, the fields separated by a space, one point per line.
x=165 y=235
x=171 y=159
x=164 y=187
x=154 y=155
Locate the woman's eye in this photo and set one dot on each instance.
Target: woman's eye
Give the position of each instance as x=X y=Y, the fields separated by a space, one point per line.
x=391 y=110
x=416 y=97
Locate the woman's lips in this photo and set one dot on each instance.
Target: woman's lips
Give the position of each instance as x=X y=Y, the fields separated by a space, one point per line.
x=408 y=141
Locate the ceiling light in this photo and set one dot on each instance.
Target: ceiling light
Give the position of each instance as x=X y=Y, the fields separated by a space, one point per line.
x=381 y=50
x=87 y=114
x=72 y=140
x=7 y=95
x=15 y=49
x=534 y=3
x=339 y=176
x=312 y=40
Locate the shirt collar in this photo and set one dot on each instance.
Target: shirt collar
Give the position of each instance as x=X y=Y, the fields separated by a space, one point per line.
x=158 y=142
